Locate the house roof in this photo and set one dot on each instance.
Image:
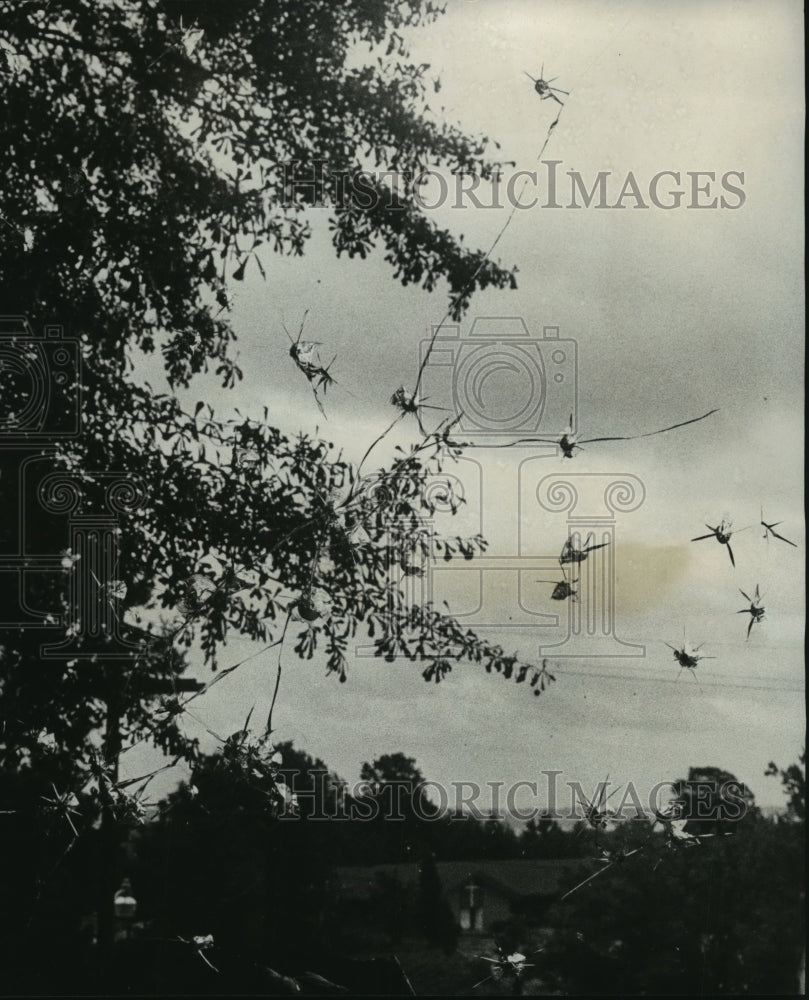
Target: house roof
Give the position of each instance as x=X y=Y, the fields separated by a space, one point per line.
x=512 y=878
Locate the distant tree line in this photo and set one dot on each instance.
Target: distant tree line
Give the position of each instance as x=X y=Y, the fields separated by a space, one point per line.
x=724 y=916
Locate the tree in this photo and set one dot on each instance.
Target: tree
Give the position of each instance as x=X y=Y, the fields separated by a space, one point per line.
x=793 y=780
x=544 y=838
x=219 y=859
x=67 y=813
x=392 y=767
x=389 y=903
x=713 y=800
x=148 y=150
x=393 y=788
x=723 y=917
x=435 y=916
x=145 y=173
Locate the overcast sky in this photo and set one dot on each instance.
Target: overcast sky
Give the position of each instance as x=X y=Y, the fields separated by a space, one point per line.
x=674 y=313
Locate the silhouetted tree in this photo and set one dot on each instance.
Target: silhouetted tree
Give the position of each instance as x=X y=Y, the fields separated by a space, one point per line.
x=713 y=800
x=724 y=917
x=435 y=915
x=793 y=780
x=222 y=859
x=148 y=150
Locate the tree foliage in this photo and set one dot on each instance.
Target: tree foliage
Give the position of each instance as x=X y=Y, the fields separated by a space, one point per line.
x=148 y=154
x=722 y=917
x=438 y=923
x=145 y=148
x=793 y=779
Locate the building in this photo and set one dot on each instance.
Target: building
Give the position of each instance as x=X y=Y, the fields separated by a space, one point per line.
x=481 y=894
